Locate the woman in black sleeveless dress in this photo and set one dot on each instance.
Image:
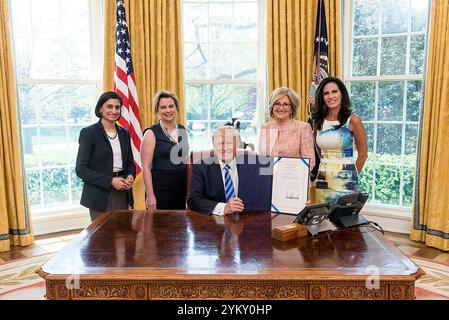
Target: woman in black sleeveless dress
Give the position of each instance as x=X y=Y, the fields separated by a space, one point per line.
x=164 y=153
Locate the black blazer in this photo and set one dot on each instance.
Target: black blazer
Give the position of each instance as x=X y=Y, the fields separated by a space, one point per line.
x=206 y=187
x=94 y=164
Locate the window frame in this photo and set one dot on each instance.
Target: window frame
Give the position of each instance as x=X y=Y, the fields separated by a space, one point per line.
x=400 y=211
x=44 y=219
x=260 y=82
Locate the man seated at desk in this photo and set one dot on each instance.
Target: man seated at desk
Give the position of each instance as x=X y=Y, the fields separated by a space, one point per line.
x=215 y=180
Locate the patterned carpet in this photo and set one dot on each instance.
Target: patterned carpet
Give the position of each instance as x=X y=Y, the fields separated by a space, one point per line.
x=18 y=280
x=434 y=285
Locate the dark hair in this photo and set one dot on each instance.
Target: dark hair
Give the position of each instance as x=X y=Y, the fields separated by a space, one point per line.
x=319 y=110
x=164 y=94
x=105 y=97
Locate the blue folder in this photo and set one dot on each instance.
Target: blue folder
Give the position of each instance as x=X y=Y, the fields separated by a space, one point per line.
x=255 y=182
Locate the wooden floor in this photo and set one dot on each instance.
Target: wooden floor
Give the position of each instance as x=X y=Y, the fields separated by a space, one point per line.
x=55 y=241
x=43 y=244
x=417 y=249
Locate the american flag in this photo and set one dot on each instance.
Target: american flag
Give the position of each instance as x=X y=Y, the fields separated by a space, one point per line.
x=124 y=84
x=321 y=60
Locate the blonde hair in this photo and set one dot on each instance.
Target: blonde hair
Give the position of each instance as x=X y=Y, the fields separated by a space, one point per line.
x=164 y=94
x=284 y=92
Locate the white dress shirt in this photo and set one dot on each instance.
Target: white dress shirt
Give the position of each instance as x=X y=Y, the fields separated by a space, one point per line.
x=116 y=154
x=220 y=207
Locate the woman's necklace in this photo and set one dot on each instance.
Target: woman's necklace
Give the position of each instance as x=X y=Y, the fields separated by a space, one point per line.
x=112 y=137
x=172 y=138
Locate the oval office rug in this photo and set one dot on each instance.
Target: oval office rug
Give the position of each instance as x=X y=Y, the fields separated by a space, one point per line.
x=434 y=285
x=19 y=280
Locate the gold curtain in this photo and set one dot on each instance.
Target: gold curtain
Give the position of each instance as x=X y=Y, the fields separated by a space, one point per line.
x=156 y=49
x=291 y=32
x=15 y=227
x=431 y=214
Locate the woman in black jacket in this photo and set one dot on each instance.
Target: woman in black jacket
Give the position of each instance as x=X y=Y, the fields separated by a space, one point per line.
x=105 y=161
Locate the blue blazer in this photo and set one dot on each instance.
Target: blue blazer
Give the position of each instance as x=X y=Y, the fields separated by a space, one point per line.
x=206 y=187
x=94 y=164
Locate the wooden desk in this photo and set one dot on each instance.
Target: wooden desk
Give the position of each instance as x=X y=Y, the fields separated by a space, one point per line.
x=186 y=255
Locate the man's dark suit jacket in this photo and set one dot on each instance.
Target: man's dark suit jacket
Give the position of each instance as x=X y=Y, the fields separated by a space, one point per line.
x=94 y=164
x=206 y=187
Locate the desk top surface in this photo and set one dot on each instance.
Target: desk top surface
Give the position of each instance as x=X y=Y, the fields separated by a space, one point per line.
x=175 y=244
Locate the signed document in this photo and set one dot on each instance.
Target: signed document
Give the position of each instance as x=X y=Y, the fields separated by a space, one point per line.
x=290 y=184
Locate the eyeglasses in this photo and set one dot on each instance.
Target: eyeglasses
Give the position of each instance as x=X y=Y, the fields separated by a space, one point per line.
x=284 y=105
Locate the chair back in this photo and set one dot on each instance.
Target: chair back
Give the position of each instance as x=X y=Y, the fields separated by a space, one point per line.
x=193 y=157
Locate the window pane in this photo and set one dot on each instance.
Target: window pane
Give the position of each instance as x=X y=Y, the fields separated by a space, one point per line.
x=220 y=20
x=56 y=186
x=411 y=137
x=365 y=57
x=393 y=55
x=369 y=128
x=197 y=101
x=53 y=149
x=391 y=97
x=419 y=12
x=34 y=187
x=246 y=17
x=408 y=185
x=51 y=37
x=414 y=95
x=366 y=178
x=363 y=99
x=215 y=125
x=245 y=102
x=199 y=136
x=195 y=61
x=80 y=103
x=76 y=61
x=245 y=64
x=75 y=20
x=30 y=147
x=221 y=102
x=23 y=47
x=387 y=184
x=394 y=17
x=46 y=18
x=72 y=143
x=389 y=142
x=248 y=133
x=51 y=104
x=195 y=22
x=46 y=59
x=220 y=61
x=417 y=44
x=26 y=97
x=366 y=17
x=76 y=185
x=22 y=23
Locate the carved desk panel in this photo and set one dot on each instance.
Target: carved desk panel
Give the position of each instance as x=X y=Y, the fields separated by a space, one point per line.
x=186 y=255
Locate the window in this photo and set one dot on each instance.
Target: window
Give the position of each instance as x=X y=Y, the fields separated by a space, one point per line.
x=384 y=72
x=223 y=55
x=57 y=62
